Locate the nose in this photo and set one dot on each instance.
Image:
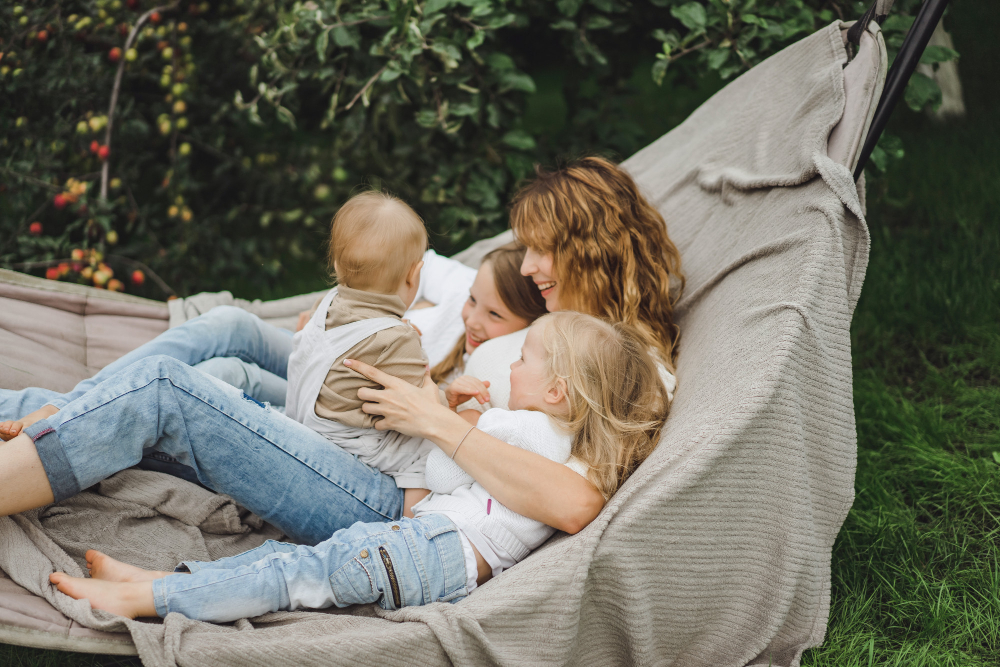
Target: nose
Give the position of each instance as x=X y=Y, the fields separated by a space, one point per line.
x=529 y=265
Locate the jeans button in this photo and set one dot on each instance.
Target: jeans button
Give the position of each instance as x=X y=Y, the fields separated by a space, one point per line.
x=395 y=527
x=364 y=553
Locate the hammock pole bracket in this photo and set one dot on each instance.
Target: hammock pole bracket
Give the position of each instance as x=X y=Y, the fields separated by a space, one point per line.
x=899 y=74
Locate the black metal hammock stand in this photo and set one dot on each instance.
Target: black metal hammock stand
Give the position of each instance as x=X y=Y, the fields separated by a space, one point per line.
x=902 y=67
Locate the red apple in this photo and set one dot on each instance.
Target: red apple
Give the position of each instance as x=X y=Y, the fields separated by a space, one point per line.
x=103 y=152
x=59 y=200
x=35 y=228
x=63 y=268
x=42 y=35
x=132 y=4
x=123 y=29
x=155 y=17
x=115 y=54
x=162 y=44
x=115 y=285
x=52 y=273
x=138 y=277
x=95 y=146
x=77 y=254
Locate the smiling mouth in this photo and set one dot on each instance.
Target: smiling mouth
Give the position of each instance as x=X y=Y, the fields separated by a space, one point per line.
x=545 y=287
x=473 y=341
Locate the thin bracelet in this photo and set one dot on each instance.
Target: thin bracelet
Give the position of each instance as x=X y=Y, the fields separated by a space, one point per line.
x=461 y=441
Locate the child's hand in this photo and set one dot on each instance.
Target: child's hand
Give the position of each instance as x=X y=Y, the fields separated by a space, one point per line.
x=464 y=388
x=10 y=430
x=304 y=317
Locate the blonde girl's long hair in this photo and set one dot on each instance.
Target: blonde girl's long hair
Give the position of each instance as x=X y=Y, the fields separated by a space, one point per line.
x=617 y=401
x=608 y=243
x=517 y=292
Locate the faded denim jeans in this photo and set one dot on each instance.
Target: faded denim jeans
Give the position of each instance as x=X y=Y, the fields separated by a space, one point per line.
x=400 y=564
x=277 y=468
x=225 y=331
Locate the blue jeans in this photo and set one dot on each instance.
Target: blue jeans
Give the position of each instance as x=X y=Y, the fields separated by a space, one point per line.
x=247 y=376
x=225 y=331
x=400 y=564
x=277 y=468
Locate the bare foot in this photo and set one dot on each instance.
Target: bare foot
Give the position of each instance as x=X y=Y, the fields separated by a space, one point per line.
x=10 y=430
x=106 y=568
x=124 y=599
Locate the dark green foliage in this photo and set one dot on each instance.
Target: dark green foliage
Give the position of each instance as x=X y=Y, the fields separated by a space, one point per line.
x=242 y=125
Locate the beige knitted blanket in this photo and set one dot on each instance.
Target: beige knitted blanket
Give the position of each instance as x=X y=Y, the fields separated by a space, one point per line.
x=717 y=551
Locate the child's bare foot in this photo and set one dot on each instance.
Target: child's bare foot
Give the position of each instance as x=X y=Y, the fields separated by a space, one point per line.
x=106 y=568
x=124 y=599
x=10 y=430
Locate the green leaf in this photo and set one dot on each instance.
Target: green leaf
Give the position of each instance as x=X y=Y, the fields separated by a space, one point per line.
x=564 y=24
x=897 y=22
x=321 y=44
x=285 y=116
x=996 y=457
x=599 y=23
x=432 y=6
x=938 y=54
x=345 y=38
x=660 y=70
x=519 y=139
x=717 y=58
x=500 y=62
x=516 y=81
x=569 y=7
x=447 y=49
x=921 y=91
x=692 y=15
x=427 y=118
x=476 y=39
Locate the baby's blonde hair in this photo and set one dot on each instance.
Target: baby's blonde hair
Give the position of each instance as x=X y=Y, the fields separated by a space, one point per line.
x=375 y=239
x=617 y=401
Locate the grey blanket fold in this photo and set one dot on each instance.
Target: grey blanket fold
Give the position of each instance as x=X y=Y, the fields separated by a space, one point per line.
x=717 y=551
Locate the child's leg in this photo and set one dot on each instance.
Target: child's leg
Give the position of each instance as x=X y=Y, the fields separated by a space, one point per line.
x=403 y=563
x=249 y=377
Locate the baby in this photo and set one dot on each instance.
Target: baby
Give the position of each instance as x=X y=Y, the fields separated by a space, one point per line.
x=376 y=246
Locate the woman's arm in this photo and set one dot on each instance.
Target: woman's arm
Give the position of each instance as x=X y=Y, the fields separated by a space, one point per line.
x=526 y=483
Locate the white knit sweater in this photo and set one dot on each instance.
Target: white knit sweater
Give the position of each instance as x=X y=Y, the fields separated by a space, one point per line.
x=457 y=495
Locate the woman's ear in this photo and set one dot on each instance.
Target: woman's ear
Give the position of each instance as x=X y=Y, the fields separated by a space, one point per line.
x=556 y=393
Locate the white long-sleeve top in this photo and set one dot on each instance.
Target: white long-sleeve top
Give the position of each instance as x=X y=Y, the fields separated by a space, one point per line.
x=501 y=536
x=445 y=283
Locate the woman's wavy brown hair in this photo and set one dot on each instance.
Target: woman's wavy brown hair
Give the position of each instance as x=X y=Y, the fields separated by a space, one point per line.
x=608 y=242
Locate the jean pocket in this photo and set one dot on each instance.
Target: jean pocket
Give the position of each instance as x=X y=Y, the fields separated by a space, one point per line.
x=354 y=584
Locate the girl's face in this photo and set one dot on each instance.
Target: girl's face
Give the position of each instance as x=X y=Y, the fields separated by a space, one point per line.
x=530 y=385
x=485 y=314
x=540 y=268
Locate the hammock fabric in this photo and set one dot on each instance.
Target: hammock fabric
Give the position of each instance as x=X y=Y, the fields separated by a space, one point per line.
x=717 y=550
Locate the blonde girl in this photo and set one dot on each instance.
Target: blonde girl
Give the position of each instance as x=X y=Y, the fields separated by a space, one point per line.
x=584 y=392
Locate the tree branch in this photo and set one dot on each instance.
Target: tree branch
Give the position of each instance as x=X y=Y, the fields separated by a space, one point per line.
x=697 y=47
x=366 y=86
x=105 y=169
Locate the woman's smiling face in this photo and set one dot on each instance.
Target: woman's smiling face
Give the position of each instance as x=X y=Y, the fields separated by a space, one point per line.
x=485 y=314
x=540 y=268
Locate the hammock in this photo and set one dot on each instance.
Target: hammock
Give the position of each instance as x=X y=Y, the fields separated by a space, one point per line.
x=716 y=552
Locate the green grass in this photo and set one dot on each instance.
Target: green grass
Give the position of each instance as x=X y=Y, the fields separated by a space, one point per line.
x=916 y=568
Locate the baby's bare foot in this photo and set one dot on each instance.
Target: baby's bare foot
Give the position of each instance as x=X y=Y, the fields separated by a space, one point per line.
x=124 y=599
x=106 y=568
x=10 y=430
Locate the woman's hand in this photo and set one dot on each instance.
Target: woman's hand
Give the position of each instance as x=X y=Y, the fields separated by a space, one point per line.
x=466 y=387
x=404 y=408
x=524 y=482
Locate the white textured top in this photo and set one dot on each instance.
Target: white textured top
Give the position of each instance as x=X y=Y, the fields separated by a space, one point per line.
x=445 y=283
x=501 y=536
